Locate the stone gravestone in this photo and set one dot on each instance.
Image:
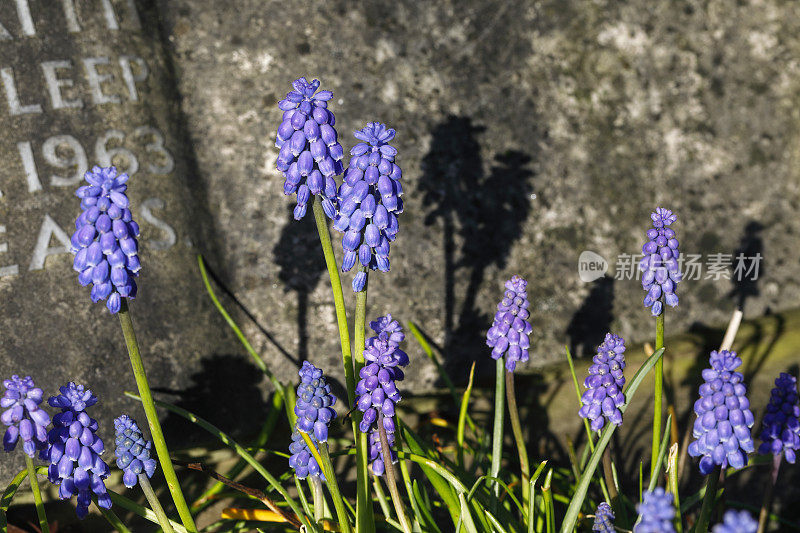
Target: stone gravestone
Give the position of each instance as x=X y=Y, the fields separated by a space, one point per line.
x=85 y=83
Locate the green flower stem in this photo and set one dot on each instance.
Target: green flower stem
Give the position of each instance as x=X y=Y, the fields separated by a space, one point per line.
x=516 y=427
x=333 y=488
x=155 y=505
x=152 y=417
x=338 y=298
x=497 y=430
x=708 y=501
x=658 y=388
x=769 y=491
x=364 y=514
x=391 y=477
x=318 y=498
x=37 y=495
x=323 y=459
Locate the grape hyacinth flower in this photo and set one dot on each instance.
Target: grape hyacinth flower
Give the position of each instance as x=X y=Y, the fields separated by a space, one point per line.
x=377 y=390
x=602 y=519
x=603 y=397
x=656 y=513
x=104 y=242
x=660 y=269
x=369 y=202
x=75 y=450
x=736 y=522
x=132 y=451
x=310 y=154
x=23 y=416
x=510 y=331
x=314 y=410
x=722 y=427
x=780 y=432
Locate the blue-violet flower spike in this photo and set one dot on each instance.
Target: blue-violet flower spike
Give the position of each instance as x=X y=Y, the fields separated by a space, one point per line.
x=310 y=154
x=132 y=451
x=314 y=410
x=376 y=391
x=510 y=331
x=722 y=427
x=660 y=268
x=23 y=416
x=75 y=450
x=736 y=522
x=104 y=243
x=780 y=431
x=603 y=517
x=370 y=198
x=603 y=397
x=656 y=513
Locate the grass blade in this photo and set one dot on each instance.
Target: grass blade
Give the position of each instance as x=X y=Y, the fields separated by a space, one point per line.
x=662 y=452
x=466 y=517
x=9 y=494
x=462 y=415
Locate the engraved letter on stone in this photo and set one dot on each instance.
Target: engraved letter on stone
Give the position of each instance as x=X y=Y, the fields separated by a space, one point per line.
x=54 y=84
x=43 y=249
x=14 y=105
x=96 y=80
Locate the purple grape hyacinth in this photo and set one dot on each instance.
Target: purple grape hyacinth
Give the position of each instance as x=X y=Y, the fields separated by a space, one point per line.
x=104 y=243
x=656 y=513
x=660 y=268
x=780 y=432
x=603 y=517
x=310 y=154
x=370 y=198
x=23 y=416
x=132 y=451
x=377 y=390
x=736 y=522
x=724 y=419
x=603 y=397
x=510 y=331
x=75 y=450
x=314 y=410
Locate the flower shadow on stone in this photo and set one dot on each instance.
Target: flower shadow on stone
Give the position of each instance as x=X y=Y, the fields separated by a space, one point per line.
x=481 y=216
x=301 y=265
x=593 y=319
x=745 y=282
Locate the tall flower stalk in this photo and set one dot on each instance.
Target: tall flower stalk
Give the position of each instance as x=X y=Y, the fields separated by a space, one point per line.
x=377 y=397
x=660 y=274
x=149 y=406
x=509 y=338
x=106 y=255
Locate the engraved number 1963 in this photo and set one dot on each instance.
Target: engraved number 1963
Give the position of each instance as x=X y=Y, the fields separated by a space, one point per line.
x=66 y=152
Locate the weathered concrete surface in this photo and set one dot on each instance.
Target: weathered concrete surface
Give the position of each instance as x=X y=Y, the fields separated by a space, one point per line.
x=48 y=326
x=528 y=132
